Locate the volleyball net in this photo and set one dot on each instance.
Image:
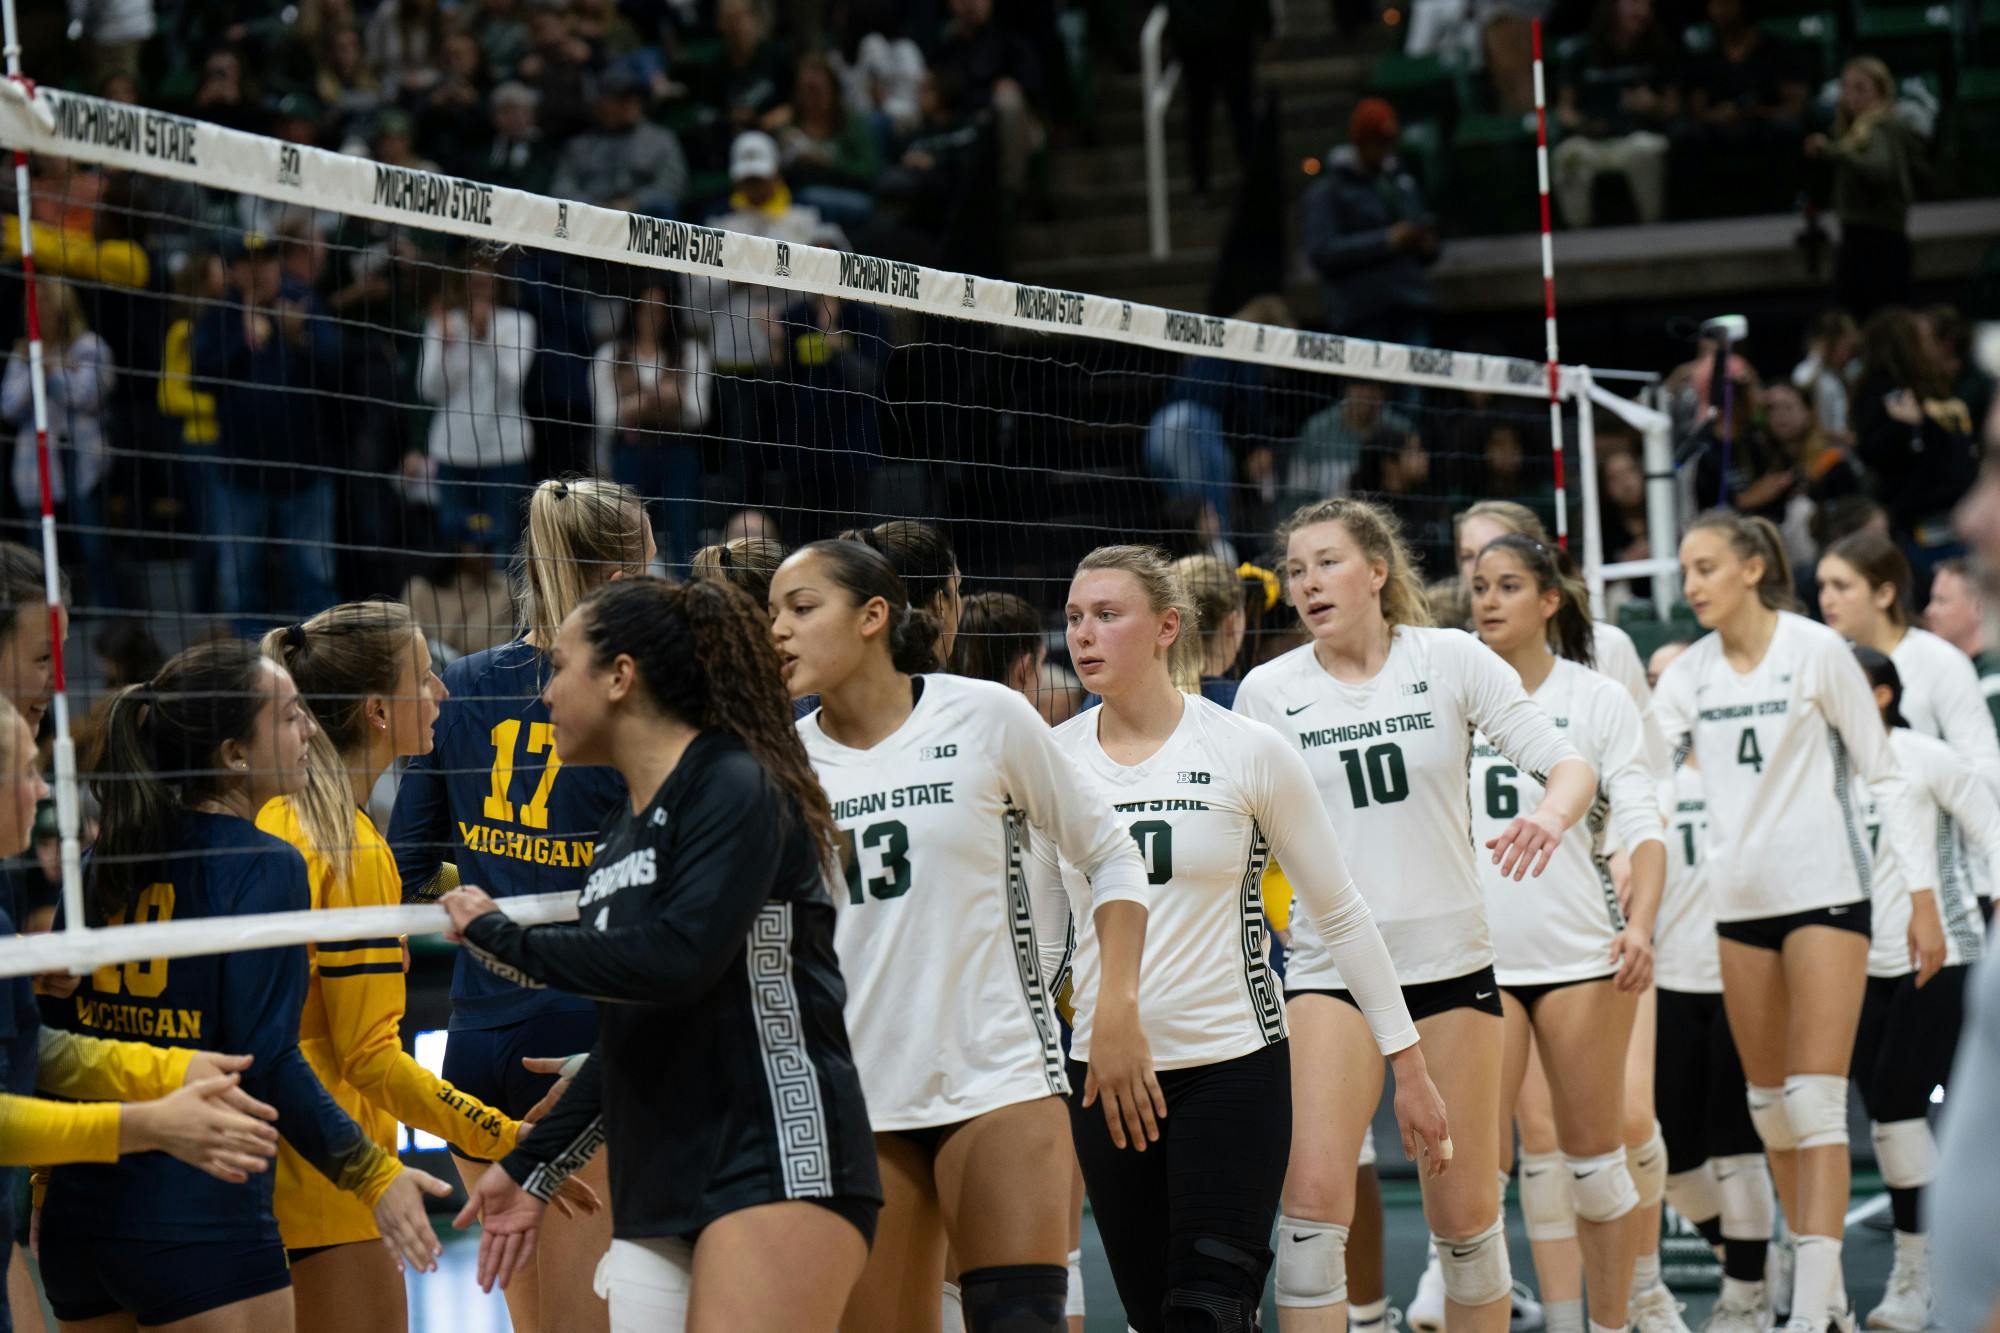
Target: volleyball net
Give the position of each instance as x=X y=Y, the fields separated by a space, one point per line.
x=276 y=377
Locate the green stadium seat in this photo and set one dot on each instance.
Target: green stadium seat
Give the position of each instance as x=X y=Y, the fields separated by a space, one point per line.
x=1969 y=167
x=1640 y=619
x=1907 y=37
x=1419 y=87
x=1493 y=175
x=1816 y=36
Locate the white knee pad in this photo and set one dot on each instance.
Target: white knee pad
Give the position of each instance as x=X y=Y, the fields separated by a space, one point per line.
x=1312 y=1263
x=1749 y=1205
x=1816 y=1106
x=1367 y=1148
x=1693 y=1194
x=1073 y=1298
x=1601 y=1187
x=1906 y=1151
x=1767 y=1113
x=647 y=1283
x=951 y=1310
x=1648 y=1165
x=1545 y=1201
x=1475 y=1268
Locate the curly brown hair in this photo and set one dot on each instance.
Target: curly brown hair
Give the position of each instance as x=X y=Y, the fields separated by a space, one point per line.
x=703 y=649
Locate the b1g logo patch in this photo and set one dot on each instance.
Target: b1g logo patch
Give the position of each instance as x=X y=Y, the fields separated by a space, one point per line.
x=562 y=220
x=939 y=752
x=784 y=259
x=1192 y=778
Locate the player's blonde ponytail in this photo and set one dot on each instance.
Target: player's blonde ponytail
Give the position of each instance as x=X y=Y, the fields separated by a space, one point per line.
x=581 y=531
x=1753 y=538
x=1164 y=592
x=1379 y=534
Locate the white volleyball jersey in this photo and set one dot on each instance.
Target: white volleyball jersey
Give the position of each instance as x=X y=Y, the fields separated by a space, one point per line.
x=1560 y=927
x=1965 y=819
x=1685 y=957
x=946 y=1006
x=1206 y=810
x=1942 y=698
x=1779 y=746
x=1390 y=758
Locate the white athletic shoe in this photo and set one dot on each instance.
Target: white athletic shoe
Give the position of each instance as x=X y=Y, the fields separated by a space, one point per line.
x=1425 y=1312
x=1906 y=1306
x=1527 y=1315
x=1840 y=1321
x=1656 y=1311
x=1726 y=1317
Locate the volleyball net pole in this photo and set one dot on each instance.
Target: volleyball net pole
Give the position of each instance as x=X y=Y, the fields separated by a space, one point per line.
x=68 y=817
x=1549 y=294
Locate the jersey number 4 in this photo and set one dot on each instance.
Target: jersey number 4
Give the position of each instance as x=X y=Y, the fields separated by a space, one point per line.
x=147 y=978
x=506 y=739
x=890 y=840
x=1747 y=751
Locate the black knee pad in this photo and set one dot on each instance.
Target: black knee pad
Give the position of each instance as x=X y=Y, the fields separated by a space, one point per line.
x=1015 y=1298
x=1218 y=1286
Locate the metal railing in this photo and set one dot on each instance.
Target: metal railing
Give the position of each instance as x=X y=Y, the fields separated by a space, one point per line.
x=1156 y=92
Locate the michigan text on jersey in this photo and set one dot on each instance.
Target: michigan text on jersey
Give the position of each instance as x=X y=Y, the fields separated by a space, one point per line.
x=537 y=848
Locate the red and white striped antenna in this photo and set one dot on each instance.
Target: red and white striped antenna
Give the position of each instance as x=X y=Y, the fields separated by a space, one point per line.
x=1549 y=291
x=65 y=747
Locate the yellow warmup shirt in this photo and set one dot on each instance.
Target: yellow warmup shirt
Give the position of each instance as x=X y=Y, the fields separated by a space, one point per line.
x=35 y=1132
x=351 y=1034
x=1277 y=897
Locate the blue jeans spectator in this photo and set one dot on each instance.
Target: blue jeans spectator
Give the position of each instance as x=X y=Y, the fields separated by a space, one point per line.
x=668 y=478
x=838 y=204
x=483 y=506
x=1187 y=454
x=276 y=548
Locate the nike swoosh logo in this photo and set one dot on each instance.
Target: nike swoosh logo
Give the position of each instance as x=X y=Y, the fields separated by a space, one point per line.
x=1586 y=1175
x=1294 y=712
x=1836 y=911
x=1482 y=995
x=1304 y=1236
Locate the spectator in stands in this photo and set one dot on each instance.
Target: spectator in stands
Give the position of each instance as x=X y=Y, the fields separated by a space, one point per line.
x=346 y=85
x=1827 y=470
x=518 y=156
x=200 y=284
x=561 y=67
x=1396 y=468
x=754 y=75
x=1957 y=614
x=1370 y=236
x=116 y=30
x=651 y=388
x=1623 y=521
x=502 y=35
x=1915 y=435
x=468 y=605
x=72 y=232
x=1747 y=96
x=880 y=68
x=830 y=156
x=220 y=98
x=1832 y=349
x=761 y=201
x=1215 y=408
x=476 y=355
x=994 y=71
x=1949 y=339
x=393 y=141
x=1509 y=466
x=405 y=44
x=600 y=23
x=78 y=377
x=1331 y=443
x=452 y=114
x=936 y=163
x=628 y=162
x=1217 y=42
x=1614 y=112
x=1739 y=464
x=263 y=351
x=1506 y=36
x=1877 y=161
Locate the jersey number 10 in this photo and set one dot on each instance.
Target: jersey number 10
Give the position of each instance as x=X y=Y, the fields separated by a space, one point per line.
x=1376 y=773
x=147 y=978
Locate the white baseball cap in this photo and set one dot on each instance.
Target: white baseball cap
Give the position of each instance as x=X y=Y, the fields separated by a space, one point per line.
x=753 y=155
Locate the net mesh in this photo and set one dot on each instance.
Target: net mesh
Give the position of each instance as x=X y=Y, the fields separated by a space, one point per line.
x=281 y=378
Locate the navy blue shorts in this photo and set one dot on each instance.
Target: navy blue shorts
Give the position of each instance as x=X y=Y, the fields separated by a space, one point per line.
x=486 y=1062
x=157 y=1282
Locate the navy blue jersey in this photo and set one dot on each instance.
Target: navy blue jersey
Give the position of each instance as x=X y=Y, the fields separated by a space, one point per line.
x=493 y=797
x=246 y=1002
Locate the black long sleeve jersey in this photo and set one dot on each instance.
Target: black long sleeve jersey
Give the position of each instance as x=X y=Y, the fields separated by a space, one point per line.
x=722 y=1077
